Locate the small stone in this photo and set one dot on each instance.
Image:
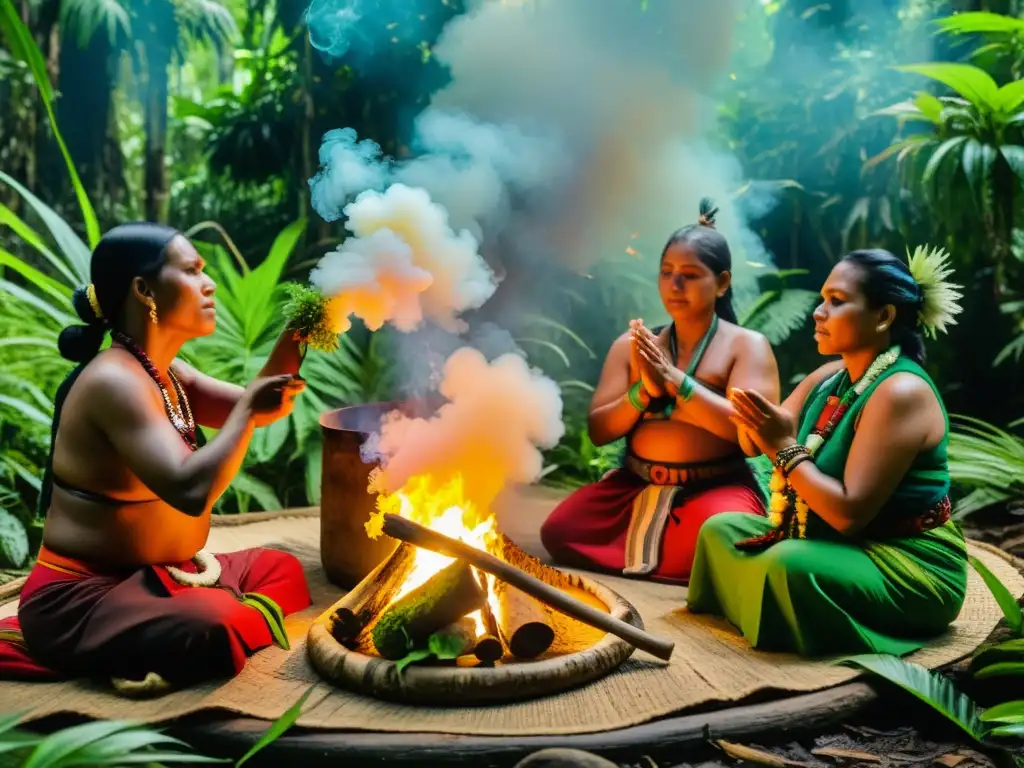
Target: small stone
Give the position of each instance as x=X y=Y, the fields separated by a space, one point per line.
x=564 y=758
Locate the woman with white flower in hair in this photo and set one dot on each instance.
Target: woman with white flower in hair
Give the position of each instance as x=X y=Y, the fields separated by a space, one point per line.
x=858 y=553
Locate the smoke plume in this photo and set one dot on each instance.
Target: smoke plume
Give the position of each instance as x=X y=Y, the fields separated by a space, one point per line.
x=404 y=263
x=498 y=416
x=566 y=133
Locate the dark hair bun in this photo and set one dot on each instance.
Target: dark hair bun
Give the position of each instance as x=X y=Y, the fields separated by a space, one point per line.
x=708 y=211
x=80 y=301
x=80 y=343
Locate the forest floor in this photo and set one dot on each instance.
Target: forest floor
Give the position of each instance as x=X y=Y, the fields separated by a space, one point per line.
x=899 y=733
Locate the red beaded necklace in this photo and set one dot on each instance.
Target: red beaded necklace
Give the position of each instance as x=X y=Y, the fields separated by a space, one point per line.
x=181 y=416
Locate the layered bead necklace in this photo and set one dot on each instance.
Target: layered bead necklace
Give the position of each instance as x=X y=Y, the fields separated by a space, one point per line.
x=180 y=415
x=787 y=510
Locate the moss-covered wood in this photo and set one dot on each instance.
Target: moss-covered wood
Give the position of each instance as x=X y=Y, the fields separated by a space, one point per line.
x=443 y=599
x=371 y=596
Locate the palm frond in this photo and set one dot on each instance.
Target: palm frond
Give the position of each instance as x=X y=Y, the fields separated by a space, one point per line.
x=85 y=17
x=901 y=568
x=777 y=314
x=205 y=21
x=986 y=460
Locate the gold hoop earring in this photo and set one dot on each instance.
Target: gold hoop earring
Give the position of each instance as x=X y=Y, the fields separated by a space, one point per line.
x=152 y=310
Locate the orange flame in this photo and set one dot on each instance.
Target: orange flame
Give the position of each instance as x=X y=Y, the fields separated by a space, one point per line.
x=444 y=509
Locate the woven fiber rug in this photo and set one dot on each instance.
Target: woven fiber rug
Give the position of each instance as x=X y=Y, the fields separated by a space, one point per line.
x=712 y=666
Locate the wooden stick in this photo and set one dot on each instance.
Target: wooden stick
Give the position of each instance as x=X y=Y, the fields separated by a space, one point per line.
x=522 y=622
x=406 y=530
x=487 y=645
x=371 y=596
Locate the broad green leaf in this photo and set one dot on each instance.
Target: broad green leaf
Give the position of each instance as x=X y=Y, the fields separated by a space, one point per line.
x=417 y=654
x=1014 y=155
x=979 y=21
x=314 y=473
x=1010 y=650
x=16 y=741
x=9 y=720
x=939 y=156
x=1016 y=730
x=268 y=440
x=258 y=489
x=932 y=688
x=1007 y=712
x=282 y=724
x=30 y=236
x=1010 y=97
x=61 y=317
x=930 y=106
x=42 y=281
x=973 y=83
x=1001 y=669
x=74 y=250
x=26 y=410
x=977 y=165
x=23 y=47
x=62 y=745
x=447 y=645
x=14 y=544
x=1007 y=602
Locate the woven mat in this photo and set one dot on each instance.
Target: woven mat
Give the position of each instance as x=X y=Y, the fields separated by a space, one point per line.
x=712 y=665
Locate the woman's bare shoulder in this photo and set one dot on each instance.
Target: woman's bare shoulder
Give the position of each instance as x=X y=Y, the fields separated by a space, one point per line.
x=114 y=381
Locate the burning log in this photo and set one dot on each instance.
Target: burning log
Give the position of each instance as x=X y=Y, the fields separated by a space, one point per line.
x=441 y=600
x=371 y=596
x=522 y=622
x=413 y=533
x=487 y=646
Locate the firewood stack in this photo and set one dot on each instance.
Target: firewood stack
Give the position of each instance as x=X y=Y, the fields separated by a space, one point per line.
x=513 y=625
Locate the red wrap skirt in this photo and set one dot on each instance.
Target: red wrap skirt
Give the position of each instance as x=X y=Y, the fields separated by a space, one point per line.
x=75 y=620
x=605 y=526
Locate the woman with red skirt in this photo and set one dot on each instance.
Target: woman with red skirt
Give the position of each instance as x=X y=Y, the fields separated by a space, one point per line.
x=663 y=390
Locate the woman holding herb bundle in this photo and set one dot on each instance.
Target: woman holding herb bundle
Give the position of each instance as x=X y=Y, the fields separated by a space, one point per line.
x=122 y=588
x=859 y=553
x=664 y=392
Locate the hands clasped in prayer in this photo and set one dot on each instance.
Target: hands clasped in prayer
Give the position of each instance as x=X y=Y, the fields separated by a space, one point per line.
x=657 y=370
x=768 y=426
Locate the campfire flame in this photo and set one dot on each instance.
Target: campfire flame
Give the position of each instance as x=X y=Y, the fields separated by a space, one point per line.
x=444 y=509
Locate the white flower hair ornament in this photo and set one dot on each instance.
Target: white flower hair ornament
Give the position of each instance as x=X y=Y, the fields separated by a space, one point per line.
x=940 y=298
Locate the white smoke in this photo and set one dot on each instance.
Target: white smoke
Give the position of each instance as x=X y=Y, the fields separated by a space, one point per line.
x=404 y=264
x=498 y=417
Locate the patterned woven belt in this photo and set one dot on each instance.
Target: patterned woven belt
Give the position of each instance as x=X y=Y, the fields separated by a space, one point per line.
x=677 y=474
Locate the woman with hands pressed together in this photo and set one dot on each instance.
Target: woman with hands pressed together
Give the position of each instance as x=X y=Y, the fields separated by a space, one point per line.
x=859 y=553
x=122 y=588
x=663 y=391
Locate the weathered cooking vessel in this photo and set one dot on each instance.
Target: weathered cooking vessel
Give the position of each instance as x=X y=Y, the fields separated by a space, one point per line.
x=346 y=552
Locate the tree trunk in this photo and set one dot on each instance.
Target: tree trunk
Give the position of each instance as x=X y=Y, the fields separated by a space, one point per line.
x=155 y=146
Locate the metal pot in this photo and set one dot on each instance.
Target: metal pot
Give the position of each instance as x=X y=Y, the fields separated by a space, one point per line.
x=346 y=552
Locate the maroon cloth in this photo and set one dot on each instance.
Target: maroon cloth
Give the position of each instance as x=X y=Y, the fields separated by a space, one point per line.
x=80 y=623
x=589 y=528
